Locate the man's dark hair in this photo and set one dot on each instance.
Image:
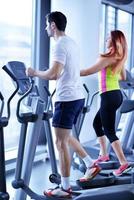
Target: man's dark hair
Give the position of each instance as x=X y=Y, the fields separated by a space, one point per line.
x=59 y=19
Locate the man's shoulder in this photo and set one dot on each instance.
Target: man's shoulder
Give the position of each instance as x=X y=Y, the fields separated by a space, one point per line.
x=66 y=39
x=66 y=44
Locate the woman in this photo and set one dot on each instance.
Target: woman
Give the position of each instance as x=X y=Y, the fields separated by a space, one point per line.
x=110 y=66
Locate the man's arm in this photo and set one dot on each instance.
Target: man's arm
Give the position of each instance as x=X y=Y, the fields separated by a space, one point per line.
x=51 y=74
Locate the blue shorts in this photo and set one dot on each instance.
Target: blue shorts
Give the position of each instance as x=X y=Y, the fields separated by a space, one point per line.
x=66 y=113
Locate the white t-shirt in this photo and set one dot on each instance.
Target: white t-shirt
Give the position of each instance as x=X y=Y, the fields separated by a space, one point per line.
x=68 y=85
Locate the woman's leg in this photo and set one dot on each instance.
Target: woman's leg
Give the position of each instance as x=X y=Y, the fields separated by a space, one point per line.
x=116 y=145
x=103 y=146
x=108 y=115
x=97 y=124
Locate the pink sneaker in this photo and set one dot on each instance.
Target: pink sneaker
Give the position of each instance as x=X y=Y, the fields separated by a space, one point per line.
x=102 y=159
x=122 y=169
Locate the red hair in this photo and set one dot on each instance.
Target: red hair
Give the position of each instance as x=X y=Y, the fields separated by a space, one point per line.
x=117 y=50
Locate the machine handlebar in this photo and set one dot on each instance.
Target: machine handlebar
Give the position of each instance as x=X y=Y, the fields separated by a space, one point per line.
x=49 y=103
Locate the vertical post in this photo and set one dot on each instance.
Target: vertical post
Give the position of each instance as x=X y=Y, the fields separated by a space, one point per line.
x=41 y=47
x=2 y=163
x=41 y=42
x=3 y=192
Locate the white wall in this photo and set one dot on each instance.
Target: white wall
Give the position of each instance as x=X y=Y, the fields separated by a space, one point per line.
x=84 y=18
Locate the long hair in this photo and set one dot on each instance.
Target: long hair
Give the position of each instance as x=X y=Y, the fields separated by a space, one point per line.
x=117 y=50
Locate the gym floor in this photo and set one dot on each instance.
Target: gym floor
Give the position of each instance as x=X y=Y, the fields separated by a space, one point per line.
x=40 y=178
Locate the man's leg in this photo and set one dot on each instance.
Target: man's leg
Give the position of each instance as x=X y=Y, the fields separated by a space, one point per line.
x=62 y=143
x=63 y=140
x=77 y=147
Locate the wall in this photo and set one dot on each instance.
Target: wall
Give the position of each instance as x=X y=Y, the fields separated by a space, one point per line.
x=84 y=20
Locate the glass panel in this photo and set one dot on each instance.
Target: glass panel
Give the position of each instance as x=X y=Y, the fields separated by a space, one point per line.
x=110 y=19
x=102 y=30
x=109 y=15
x=125 y=24
x=15 y=44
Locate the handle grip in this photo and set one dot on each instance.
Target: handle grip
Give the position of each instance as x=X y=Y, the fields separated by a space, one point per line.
x=86 y=88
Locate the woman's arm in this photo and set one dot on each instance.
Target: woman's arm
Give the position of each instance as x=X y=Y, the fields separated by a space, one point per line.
x=101 y=63
x=123 y=74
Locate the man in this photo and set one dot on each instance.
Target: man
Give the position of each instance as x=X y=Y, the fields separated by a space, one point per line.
x=69 y=101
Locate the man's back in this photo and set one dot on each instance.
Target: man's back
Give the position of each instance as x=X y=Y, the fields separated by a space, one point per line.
x=68 y=85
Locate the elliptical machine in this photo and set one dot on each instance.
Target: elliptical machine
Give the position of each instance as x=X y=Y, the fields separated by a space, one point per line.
x=3 y=123
x=39 y=114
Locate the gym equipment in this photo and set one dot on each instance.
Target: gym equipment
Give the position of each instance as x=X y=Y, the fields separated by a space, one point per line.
x=47 y=115
x=118 y=192
x=3 y=123
x=127 y=138
x=28 y=141
x=102 y=179
x=91 y=146
x=78 y=126
x=105 y=177
x=23 y=172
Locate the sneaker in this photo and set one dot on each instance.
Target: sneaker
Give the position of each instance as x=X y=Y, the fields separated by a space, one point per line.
x=122 y=169
x=102 y=159
x=58 y=192
x=90 y=173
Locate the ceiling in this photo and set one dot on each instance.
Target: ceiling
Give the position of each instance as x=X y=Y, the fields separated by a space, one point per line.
x=120 y=2
x=126 y=5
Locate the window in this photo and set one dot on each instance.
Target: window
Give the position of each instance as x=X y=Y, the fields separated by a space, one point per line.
x=125 y=24
x=114 y=18
x=15 y=44
x=109 y=22
x=117 y=19
x=111 y=19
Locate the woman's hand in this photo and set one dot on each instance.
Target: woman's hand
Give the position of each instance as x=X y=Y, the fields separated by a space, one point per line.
x=30 y=72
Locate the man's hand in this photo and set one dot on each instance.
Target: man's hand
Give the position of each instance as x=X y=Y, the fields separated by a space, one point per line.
x=50 y=74
x=30 y=72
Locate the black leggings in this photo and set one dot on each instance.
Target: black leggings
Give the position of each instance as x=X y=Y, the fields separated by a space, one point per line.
x=104 y=121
